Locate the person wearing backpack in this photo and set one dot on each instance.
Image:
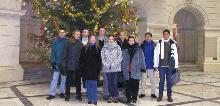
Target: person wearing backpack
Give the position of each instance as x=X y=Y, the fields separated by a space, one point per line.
x=165 y=60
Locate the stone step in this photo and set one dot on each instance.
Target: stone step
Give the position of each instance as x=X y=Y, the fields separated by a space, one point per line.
x=189 y=67
x=7 y=68
x=11 y=73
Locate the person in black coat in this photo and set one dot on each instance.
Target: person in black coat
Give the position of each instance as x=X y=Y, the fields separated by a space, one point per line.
x=70 y=63
x=123 y=43
x=121 y=40
x=90 y=64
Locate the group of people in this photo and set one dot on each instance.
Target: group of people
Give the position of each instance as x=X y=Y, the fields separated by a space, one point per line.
x=122 y=62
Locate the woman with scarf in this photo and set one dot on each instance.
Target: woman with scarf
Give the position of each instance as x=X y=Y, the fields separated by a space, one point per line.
x=132 y=64
x=90 y=64
x=111 y=60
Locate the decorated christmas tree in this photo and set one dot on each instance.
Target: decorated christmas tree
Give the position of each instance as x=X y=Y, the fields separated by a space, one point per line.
x=114 y=15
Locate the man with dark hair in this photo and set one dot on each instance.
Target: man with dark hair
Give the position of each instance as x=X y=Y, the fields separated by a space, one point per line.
x=84 y=39
x=56 y=53
x=121 y=41
x=166 y=60
x=70 y=63
x=166 y=31
x=85 y=36
x=148 y=46
x=102 y=39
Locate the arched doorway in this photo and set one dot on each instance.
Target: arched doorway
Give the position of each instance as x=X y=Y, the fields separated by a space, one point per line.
x=190 y=28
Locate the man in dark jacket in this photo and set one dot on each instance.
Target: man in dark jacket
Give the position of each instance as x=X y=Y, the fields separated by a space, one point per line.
x=70 y=63
x=102 y=40
x=85 y=40
x=85 y=36
x=123 y=43
x=148 y=46
x=56 y=53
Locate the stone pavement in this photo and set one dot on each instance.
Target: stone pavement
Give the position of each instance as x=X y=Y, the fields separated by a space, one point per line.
x=195 y=89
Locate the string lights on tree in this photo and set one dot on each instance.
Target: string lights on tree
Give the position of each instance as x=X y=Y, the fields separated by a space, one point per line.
x=114 y=15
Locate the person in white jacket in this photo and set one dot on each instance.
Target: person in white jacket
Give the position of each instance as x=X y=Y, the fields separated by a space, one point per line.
x=165 y=60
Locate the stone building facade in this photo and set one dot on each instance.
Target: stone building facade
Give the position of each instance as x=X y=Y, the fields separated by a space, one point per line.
x=197 y=23
x=10 y=13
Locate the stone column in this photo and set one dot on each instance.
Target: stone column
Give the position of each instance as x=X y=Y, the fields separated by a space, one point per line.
x=211 y=51
x=218 y=49
x=10 y=13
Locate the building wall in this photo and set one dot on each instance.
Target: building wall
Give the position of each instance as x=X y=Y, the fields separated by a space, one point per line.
x=10 y=12
x=28 y=25
x=159 y=14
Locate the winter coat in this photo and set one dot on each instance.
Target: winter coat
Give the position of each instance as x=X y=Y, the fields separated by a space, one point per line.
x=111 y=58
x=137 y=63
x=159 y=54
x=102 y=41
x=56 y=50
x=70 y=56
x=148 y=50
x=90 y=62
x=122 y=44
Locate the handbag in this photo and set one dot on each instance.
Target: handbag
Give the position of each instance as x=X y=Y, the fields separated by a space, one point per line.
x=175 y=78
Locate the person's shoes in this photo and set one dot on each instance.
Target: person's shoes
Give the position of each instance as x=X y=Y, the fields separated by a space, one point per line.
x=79 y=98
x=169 y=99
x=115 y=100
x=159 y=98
x=67 y=98
x=109 y=100
x=95 y=103
x=141 y=95
x=62 y=95
x=89 y=102
x=105 y=97
x=128 y=101
x=134 y=101
x=153 y=96
x=50 y=97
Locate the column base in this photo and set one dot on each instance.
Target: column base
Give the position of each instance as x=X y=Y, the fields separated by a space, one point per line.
x=211 y=67
x=11 y=73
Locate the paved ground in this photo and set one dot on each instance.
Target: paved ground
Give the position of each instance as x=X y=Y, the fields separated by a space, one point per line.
x=195 y=89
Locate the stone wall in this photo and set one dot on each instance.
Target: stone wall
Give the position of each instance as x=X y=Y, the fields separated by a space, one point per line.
x=10 y=12
x=159 y=14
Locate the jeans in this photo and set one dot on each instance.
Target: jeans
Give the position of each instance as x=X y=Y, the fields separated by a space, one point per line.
x=91 y=88
x=165 y=71
x=152 y=81
x=105 y=86
x=112 y=84
x=54 y=82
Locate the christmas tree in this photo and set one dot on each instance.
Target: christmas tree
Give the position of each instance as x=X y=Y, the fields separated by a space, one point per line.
x=114 y=15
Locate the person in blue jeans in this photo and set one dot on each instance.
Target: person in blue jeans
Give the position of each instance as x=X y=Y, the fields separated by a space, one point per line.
x=90 y=64
x=102 y=40
x=111 y=61
x=56 y=53
x=166 y=60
